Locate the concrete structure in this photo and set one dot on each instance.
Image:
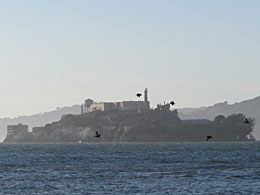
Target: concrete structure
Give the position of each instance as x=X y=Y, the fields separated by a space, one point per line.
x=17 y=129
x=134 y=105
x=87 y=105
x=85 y=108
x=165 y=107
x=82 y=109
x=104 y=106
x=146 y=95
x=124 y=105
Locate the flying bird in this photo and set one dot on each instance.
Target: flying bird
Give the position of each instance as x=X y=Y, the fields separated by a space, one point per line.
x=172 y=103
x=247 y=121
x=209 y=137
x=138 y=94
x=97 y=135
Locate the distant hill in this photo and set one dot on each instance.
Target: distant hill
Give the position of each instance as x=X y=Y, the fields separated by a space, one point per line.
x=251 y=108
x=37 y=120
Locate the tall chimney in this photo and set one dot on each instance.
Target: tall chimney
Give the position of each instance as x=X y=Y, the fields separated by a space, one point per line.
x=146 y=95
x=82 y=109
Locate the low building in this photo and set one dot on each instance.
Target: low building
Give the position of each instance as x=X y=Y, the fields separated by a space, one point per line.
x=104 y=106
x=17 y=129
x=165 y=107
x=135 y=105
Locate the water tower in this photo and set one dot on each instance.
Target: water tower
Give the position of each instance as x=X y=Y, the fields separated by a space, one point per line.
x=88 y=102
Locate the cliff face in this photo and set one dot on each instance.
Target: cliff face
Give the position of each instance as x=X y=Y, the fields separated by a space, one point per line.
x=125 y=126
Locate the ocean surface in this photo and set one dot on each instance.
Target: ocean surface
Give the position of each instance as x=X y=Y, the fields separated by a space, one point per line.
x=130 y=168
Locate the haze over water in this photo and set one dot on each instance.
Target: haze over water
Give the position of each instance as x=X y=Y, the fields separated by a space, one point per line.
x=131 y=168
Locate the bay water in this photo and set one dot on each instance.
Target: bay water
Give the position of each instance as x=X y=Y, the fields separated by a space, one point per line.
x=130 y=168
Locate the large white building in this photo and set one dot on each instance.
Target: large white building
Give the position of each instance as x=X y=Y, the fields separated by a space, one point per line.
x=104 y=106
x=124 y=105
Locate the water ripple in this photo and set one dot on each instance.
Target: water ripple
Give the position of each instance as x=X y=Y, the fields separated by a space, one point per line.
x=130 y=168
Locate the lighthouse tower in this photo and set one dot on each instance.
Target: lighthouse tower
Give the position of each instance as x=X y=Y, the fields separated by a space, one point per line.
x=146 y=95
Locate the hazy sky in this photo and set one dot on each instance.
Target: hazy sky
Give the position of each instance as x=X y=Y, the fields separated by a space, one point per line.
x=59 y=52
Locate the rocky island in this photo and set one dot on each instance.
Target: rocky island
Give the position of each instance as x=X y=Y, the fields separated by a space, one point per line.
x=133 y=121
x=159 y=125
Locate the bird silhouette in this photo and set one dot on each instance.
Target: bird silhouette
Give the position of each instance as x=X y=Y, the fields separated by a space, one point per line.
x=172 y=103
x=138 y=94
x=97 y=135
x=209 y=137
x=247 y=121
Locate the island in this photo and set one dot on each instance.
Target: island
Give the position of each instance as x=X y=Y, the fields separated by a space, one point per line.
x=159 y=125
x=134 y=121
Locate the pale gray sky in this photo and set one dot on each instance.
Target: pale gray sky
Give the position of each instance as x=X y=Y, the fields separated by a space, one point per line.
x=59 y=52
